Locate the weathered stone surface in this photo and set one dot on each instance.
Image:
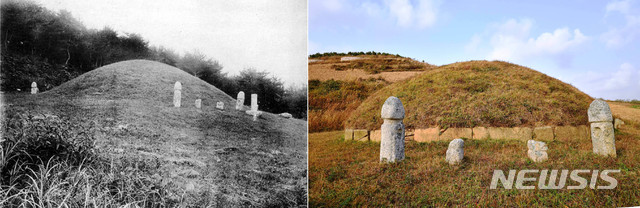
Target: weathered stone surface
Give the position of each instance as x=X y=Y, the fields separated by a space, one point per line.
x=34 y=88
x=375 y=135
x=392 y=109
x=220 y=105
x=360 y=134
x=198 y=103
x=254 y=102
x=543 y=133
x=177 y=94
x=537 y=151
x=452 y=133
x=480 y=133
x=617 y=123
x=348 y=134
x=522 y=133
x=455 y=152
x=240 y=101
x=286 y=115
x=497 y=132
x=571 y=133
x=392 y=131
x=603 y=139
x=426 y=135
x=599 y=111
x=392 y=141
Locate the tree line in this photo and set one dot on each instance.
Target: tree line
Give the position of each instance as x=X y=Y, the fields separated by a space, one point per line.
x=54 y=47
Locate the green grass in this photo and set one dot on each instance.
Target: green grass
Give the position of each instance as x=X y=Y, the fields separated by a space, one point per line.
x=145 y=152
x=348 y=173
x=478 y=93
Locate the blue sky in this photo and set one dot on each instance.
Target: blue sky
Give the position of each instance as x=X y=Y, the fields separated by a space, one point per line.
x=593 y=45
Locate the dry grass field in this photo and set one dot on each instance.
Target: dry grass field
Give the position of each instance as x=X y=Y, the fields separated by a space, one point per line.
x=347 y=173
x=112 y=137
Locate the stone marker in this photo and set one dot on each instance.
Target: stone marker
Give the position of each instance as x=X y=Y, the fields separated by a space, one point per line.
x=177 y=95
x=537 y=151
x=392 y=131
x=198 y=103
x=254 y=106
x=240 y=101
x=220 y=105
x=617 y=123
x=34 y=88
x=286 y=115
x=602 y=137
x=455 y=152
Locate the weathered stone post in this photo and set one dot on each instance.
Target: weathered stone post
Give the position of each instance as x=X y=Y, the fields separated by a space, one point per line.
x=602 y=137
x=455 y=152
x=34 y=88
x=537 y=151
x=177 y=94
x=240 y=101
x=392 y=131
x=198 y=103
x=220 y=105
x=254 y=106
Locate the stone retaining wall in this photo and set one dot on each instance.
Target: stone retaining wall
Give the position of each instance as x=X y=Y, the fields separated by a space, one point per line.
x=543 y=133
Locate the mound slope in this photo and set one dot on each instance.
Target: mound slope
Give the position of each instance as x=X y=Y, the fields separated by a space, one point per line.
x=478 y=93
x=140 y=80
x=199 y=155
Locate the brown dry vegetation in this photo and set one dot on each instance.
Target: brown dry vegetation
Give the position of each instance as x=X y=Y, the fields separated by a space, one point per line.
x=333 y=94
x=347 y=173
x=387 y=67
x=479 y=93
x=331 y=102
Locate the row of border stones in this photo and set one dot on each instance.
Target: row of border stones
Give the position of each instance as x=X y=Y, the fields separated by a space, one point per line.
x=544 y=133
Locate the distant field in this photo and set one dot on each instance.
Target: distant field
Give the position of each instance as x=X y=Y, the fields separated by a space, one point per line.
x=347 y=173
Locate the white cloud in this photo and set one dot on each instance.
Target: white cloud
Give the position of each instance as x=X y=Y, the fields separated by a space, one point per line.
x=622 y=82
x=332 y=5
x=512 y=41
x=622 y=78
x=421 y=14
x=619 y=36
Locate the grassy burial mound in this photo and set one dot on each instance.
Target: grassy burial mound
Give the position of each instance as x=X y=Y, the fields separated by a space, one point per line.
x=478 y=93
x=135 y=147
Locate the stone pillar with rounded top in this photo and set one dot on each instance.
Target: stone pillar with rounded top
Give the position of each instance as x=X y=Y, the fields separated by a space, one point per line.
x=240 y=101
x=34 y=88
x=177 y=94
x=392 y=131
x=254 y=106
x=602 y=135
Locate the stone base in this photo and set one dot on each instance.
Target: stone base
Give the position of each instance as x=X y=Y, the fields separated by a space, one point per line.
x=454 y=133
x=571 y=133
x=480 y=133
x=426 y=135
x=348 y=134
x=544 y=133
x=360 y=134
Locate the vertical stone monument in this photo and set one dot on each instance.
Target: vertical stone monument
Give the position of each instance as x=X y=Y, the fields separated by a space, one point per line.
x=392 y=131
x=254 y=106
x=34 y=88
x=177 y=94
x=602 y=137
x=198 y=103
x=240 y=101
x=220 y=105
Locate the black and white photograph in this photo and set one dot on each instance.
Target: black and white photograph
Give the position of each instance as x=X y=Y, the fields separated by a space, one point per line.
x=117 y=103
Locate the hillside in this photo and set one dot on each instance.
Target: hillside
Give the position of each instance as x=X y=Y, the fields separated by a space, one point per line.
x=388 y=67
x=479 y=93
x=338 y=83
x=187 y=156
